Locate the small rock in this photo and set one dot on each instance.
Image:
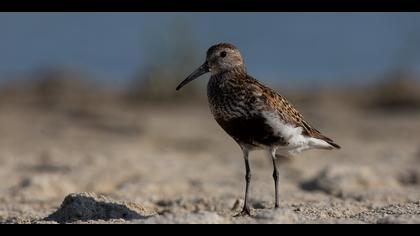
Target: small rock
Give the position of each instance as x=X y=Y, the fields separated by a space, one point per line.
x=89 y=206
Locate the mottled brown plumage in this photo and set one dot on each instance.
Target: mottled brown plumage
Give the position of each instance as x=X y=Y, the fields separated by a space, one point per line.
x=286 y=110
x=254 y=115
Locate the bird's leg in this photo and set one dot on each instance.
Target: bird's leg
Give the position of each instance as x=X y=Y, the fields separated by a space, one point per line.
x=275 y=177
x=246 y=210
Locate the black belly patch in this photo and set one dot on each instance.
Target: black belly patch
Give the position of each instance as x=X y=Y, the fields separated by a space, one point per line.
x=251 y=131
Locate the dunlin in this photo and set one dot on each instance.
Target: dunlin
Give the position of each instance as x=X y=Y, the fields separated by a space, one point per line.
x=255 y=116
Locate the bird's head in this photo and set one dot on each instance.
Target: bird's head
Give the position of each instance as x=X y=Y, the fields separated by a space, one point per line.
x=220 y=58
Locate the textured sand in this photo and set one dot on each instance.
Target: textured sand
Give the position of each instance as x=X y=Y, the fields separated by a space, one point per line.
x=177 y=162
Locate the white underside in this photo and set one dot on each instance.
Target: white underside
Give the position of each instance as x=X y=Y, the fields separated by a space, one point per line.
x=297 y=142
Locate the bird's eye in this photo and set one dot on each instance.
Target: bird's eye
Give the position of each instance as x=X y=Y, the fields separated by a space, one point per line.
x=223 y=54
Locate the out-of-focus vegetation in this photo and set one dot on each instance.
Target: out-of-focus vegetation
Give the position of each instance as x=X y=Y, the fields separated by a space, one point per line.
x=55 y=89
x=52 y=87
x=167 y=69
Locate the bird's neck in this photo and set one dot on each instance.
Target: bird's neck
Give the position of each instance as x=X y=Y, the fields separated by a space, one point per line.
x=233 y=72
x=227 y=79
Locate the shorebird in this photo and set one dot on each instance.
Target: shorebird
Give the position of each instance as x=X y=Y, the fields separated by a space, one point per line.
x=254 y=115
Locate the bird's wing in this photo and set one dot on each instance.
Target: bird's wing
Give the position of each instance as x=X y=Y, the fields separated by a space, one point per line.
x=288 y=113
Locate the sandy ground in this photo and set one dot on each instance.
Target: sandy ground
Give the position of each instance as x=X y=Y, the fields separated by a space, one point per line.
x=177 y=162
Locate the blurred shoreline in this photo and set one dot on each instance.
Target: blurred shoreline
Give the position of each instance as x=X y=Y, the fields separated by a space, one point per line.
x=396 y=92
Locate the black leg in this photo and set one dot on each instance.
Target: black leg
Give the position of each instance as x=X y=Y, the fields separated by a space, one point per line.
x=246 y=210
x=276 y=178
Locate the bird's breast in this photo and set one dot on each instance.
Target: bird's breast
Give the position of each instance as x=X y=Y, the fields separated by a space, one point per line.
x=227 y=99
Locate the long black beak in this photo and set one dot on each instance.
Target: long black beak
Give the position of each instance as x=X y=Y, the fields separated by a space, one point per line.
x=197 y=73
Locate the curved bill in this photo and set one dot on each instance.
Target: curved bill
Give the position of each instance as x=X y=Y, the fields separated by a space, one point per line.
x=197 y=73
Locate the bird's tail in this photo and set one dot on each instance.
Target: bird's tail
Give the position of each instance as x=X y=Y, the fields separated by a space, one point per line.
x=329 y=141
x=310 y=131
x=317 y=134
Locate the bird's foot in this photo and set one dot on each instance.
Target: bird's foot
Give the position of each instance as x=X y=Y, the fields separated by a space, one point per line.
x=246 y=211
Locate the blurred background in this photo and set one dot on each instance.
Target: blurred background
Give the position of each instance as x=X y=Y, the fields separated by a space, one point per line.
x=88 y=103
x=151 y=52
x=123 y=51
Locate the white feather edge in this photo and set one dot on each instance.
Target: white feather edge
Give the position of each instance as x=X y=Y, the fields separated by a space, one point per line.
x=293 y=135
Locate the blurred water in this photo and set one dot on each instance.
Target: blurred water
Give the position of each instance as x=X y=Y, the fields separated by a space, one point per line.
x=293 y=47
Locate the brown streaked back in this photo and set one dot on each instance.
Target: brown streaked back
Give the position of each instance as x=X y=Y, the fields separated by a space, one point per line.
x=288 y=112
